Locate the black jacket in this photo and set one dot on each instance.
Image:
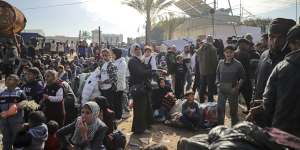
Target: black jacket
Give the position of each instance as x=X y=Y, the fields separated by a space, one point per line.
x=139 y=73
x=281 y=96
x=265 y=66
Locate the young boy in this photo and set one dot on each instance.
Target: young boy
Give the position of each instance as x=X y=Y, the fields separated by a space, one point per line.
x=191 y=117
x=180 y=73
x=52 y=142
x=157 y=98
x=34 y=133
x=11 y=115
x=229 y=78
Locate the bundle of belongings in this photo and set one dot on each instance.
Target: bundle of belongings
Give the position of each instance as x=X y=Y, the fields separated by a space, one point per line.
x=207 y=115
x=243 y=136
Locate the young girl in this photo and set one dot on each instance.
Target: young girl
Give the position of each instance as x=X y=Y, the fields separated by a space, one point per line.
x=34 y=134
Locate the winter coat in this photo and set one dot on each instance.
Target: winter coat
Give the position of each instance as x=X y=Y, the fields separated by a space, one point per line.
x=121 y=73
x=39 y=135
x=138 y=72
x=281 y=96
x=207 y=60
x=171 y=62
x=34 y=91
x=265 y=66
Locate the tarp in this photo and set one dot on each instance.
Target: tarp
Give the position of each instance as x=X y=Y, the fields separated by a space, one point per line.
x=178 y=43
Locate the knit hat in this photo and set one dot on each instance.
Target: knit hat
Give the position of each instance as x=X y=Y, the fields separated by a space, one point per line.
x=281 y=25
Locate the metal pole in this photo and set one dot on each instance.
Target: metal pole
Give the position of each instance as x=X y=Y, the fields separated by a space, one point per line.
x=213 y=19
x=99 y=32
x=297 y=11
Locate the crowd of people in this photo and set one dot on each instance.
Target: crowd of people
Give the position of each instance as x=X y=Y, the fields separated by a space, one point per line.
x=82 y=100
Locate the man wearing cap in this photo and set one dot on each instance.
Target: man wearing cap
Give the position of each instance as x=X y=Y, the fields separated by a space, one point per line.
x=270 y=58
x=281 y=97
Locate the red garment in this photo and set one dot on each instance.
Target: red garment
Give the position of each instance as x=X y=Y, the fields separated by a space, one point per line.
x=52 y=143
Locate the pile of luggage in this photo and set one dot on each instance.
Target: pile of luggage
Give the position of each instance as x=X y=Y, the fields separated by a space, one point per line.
x=243 y=136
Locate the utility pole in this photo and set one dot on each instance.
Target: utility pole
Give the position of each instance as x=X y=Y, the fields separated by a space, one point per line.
x=297 y=11
x=241 y=11
x=99 y=32
x=212 y=12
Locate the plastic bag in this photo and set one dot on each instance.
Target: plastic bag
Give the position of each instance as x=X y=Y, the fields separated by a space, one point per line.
x=210 y=113
x=198 y=142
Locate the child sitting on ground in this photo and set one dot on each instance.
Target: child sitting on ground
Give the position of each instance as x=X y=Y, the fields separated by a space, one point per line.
x=52 y=142
x=34 y=133
x=158 y=96
x=191 y=115
x=11 y=115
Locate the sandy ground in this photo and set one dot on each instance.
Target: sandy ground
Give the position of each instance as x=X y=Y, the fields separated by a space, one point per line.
x=162 y=134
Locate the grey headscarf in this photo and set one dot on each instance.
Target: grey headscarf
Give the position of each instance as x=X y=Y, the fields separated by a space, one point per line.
x=92 y=128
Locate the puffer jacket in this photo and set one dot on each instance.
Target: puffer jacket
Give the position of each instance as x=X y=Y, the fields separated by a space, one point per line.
x=281 y=96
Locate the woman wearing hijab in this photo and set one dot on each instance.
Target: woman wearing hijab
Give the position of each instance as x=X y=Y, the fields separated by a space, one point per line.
x=139 y=84
x=87 y=132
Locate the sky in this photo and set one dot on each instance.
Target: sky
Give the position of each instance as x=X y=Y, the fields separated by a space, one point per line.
x=114 y=17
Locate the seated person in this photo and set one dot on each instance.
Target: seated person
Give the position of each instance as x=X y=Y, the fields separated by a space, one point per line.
x=34 y=134
x=191 y=117
x=158 y=96
x=52 y=142
x=114 y=139
x=87 y=131
x=106 y=114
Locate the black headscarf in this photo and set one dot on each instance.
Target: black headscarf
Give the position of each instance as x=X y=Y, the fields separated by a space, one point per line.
x=117 y=52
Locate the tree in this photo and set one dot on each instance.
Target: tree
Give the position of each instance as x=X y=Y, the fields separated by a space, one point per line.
x=263 y=23
x=85 y=35
x=150 y=9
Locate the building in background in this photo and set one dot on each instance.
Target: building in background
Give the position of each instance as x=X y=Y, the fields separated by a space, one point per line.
x=111 y=39
x=59 y=38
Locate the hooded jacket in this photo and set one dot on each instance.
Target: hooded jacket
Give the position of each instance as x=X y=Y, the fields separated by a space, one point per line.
x=39 y=136
x=281 y=96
